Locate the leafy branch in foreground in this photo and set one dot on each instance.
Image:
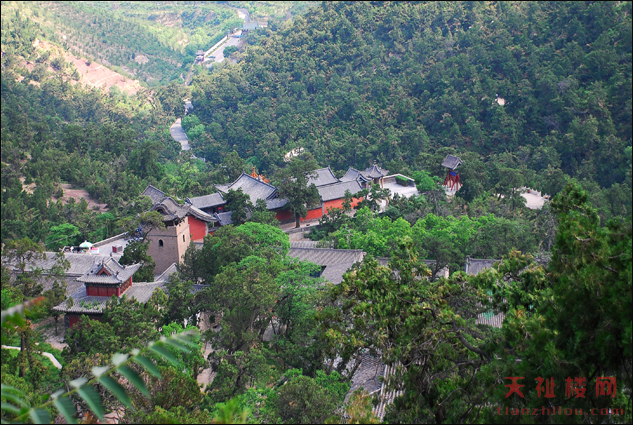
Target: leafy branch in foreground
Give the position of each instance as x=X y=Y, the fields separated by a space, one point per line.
x=14 y=400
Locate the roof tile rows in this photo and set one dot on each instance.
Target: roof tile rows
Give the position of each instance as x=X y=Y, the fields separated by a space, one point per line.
x=323 y=176
x=84 y=303
x=491 y=319
x=368 y=375
x=335 y=261
x=354 y=174
x=452 y=162
x=474 y=266
x=172 y=210
x=154 y=194
x=117 y=273
x=374 y=172
x=337 y=190
x=254 y=188
x=306 y=243
x=207 y=201
x=80 y=264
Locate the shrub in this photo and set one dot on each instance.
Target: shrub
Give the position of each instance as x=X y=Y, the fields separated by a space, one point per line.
x=228 y=51
x=403 y=181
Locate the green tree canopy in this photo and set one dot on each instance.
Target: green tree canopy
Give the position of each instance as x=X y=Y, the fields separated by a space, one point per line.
x=292 y=183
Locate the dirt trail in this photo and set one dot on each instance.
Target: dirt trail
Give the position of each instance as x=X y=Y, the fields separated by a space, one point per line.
x=205 y=378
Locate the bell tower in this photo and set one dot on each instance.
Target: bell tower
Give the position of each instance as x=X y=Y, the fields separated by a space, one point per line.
x=168 y=245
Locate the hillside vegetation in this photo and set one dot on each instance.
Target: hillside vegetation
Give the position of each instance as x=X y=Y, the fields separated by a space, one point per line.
x=406 y=83
x=153 y=42
x=526 y=93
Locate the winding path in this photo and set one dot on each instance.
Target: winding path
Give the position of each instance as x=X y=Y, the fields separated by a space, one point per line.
x=178 y=134
x=52 y=358
x=176 y=131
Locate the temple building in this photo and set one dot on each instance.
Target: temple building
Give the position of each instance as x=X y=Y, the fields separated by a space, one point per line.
x=183 y=223
x=104 y=280
x=206 y=213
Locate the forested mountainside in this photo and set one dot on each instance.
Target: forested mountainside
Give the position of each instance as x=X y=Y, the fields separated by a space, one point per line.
x=58 y=133
x=543 y=88
x=438 y=300
x=154 y=42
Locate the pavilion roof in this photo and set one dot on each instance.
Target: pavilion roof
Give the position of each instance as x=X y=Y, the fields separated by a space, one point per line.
x=374 y=172
x=354 y=174
x=80 y=264
x=116 y=273
x=452 y=162
x=335 y=261
x=172 y=210
x=84 y=303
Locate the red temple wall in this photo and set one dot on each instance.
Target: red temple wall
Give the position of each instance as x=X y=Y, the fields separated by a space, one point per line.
x=284 y=215
x=338 y=203
x=74 y=318
x=313 y=214
x=197 y=228
x=101 y=291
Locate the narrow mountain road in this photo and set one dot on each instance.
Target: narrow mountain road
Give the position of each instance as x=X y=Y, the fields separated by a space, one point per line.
x=178 y=134
x=176 y=131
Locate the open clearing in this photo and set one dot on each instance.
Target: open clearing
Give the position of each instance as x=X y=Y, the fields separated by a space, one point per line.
x=78 y=194
x=93 y=75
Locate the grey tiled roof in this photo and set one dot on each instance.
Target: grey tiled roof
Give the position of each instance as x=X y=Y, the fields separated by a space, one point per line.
x=368 y=375
x=225 y=217
x=165 y=275
x=80 y=264
x=337 y=190
x=207 y=201
x=154 y=194
x=336 y=261
x=491 y=319
x=386 y=396
x=353 y=174
x=172 y=210
x=324 y=176
x=254 y=188
x=224 y=188
x=452 y=162
x=118 y=273
x=326 y=256
x=83 y=303
x=304 y=244
x=374 y=172
x=273 y=204
x=474 y=266
x=198 y=213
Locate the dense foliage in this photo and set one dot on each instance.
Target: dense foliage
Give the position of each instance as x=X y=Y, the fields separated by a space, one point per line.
x=527 y=94
x=405 y=83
